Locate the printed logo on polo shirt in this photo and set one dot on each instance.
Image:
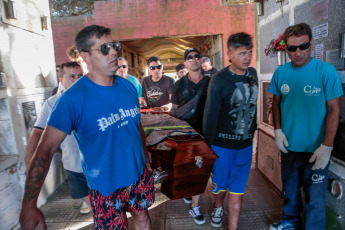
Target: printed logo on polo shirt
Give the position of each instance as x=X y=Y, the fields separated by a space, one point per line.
x=285 y=89
x=154 y=93
x=311 y=90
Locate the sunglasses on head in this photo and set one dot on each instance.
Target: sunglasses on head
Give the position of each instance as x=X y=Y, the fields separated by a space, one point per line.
x=123 y=66
x=195 y=56
x=251 y=80
x=304 y=46
x=154 y=67
x=105 y=48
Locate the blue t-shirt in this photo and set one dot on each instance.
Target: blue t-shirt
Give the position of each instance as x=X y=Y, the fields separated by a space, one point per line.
x=304 y=94
x=136 y=84
x=105 y=121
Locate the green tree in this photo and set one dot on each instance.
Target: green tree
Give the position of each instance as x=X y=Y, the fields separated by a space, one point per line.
x=68 y=8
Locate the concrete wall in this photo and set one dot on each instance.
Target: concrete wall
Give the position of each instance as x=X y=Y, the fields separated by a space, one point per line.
x=154 y=18
x=28 y=75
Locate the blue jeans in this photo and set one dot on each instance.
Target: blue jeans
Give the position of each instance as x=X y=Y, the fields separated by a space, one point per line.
x=296 y=172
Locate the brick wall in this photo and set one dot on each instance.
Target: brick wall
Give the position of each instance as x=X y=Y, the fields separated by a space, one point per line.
x=153 y=18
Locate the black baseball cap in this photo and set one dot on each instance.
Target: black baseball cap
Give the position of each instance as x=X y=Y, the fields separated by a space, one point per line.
x=190 y=50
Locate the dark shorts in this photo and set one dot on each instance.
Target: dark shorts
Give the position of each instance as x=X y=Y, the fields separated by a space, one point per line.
x=110 y=212
x=77 y=184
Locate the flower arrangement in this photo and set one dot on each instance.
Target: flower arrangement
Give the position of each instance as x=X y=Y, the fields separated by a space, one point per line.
x=275 y=45
x=204 y=50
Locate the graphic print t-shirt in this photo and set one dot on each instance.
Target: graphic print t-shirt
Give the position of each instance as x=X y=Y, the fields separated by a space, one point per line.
x=157 y=93
x=105 y=122
x=230 y=110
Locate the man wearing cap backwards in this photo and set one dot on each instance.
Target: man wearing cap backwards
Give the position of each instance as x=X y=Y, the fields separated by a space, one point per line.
x=156 y=86
x=229 y=126
x=183 y=91
x=110 y=138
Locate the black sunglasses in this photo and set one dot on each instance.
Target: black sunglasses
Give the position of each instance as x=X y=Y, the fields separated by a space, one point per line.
x=105 y=48
x=304 y=46
x=196 y=56
x=154 y=67
x=123 y=66
x=251 y=80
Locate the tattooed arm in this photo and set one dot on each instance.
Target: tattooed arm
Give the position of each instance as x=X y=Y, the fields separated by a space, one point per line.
x=30 y=215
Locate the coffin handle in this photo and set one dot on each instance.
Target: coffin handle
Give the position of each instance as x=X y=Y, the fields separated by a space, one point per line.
x=198 y=161
x=159 y=175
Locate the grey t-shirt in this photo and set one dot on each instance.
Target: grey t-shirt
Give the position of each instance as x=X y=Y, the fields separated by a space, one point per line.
x=156 y=93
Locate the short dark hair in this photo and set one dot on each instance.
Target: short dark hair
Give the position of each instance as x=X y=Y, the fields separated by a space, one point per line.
x=240 y=39
x=153 y=58
x=179 y=67
x=83 y=40
x=71 y=64
x=298 y=30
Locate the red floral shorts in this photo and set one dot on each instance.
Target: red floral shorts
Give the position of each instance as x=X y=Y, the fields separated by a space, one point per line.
x=110 y=212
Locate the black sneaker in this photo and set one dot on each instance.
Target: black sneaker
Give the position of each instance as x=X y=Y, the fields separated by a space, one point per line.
x=217 y=216
x=187 y=200
x=195 y=212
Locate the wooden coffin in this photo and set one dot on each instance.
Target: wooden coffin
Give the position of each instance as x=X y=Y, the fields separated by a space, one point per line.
x=185 y=158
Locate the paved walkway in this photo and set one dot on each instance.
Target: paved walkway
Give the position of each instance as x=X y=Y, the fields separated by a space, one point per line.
x=262 y=205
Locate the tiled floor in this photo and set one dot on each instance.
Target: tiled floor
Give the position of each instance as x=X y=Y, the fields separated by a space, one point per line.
x=262 y=205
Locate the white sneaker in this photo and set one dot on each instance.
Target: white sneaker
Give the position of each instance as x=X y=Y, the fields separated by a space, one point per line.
x=84 y=209
x=195 y=212
x=216 y=217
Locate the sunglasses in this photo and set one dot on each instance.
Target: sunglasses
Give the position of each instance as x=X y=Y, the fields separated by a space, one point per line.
x=154 y=67
x=123 y=66
x=251 y=80
x=304 y=46
x=195 y=56
x=105 y=48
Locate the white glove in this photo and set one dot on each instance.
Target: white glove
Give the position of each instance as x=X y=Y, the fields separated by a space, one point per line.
x=321 y=157
x=281 y=140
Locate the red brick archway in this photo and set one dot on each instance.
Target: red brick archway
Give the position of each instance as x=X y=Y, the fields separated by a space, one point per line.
x=139 y=19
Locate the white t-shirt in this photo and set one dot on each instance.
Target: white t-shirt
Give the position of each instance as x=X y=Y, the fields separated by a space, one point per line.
x=70 y=151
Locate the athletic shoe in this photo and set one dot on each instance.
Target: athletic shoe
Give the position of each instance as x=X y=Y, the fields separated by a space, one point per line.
x=195 y=212
x=283 y=225
x=216 y=217
x=85 y=209
x=187 y=200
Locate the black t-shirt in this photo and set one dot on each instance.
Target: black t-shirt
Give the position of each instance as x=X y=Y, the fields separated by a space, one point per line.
x=230 y=110
x=183 y=91
x=210 y=73
x=156 y=93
